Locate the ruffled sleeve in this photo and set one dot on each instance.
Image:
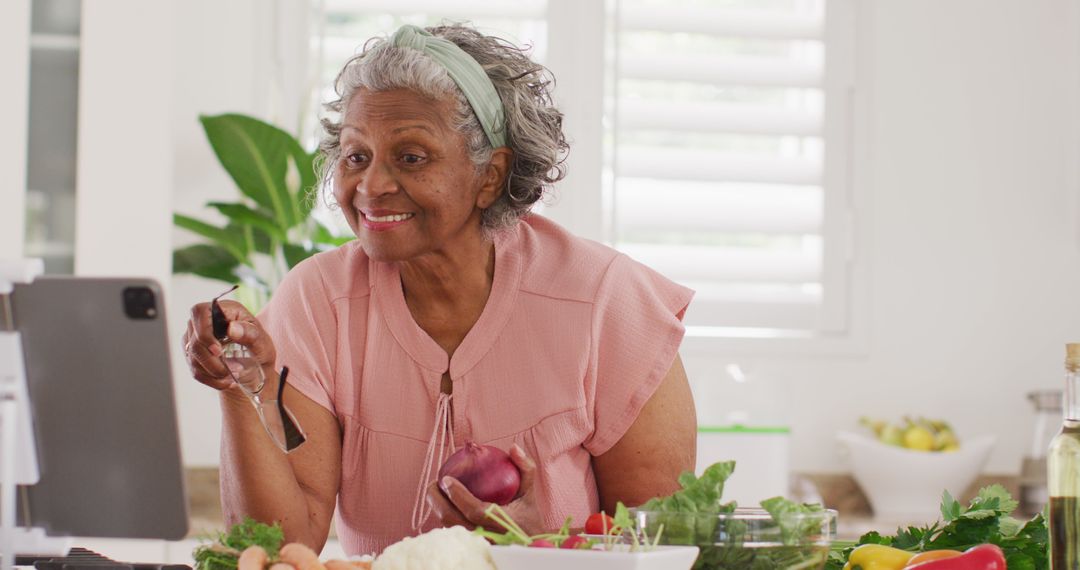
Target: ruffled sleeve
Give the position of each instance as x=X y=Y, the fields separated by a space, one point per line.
x=301 y=321
x=636 y=332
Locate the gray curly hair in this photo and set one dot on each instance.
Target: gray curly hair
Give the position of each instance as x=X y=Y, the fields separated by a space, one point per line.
x=533 y=124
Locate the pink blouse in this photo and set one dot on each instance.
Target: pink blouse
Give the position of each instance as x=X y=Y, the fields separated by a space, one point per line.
x=573 y=341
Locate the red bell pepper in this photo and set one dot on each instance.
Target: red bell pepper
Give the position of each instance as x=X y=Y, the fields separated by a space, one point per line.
x=981 y=557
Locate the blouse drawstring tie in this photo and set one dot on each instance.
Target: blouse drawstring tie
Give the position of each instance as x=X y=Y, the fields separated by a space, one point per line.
x=442 y=435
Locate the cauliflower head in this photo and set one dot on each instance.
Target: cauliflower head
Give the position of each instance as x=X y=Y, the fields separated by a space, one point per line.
x=453 y=548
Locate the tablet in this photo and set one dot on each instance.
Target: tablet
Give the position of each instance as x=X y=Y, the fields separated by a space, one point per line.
x=101 y=394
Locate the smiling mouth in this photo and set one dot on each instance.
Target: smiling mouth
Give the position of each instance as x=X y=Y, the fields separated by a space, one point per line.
x=389 y=218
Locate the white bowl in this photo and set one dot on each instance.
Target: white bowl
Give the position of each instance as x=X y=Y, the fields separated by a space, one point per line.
x=660 y=558
x=904 y=484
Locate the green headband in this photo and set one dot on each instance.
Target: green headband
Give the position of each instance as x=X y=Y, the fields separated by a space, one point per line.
x=466 y=72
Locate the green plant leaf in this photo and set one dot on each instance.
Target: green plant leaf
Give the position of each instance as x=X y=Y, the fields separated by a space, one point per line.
x=785 y=513
x=994 y=497
x=1019 y=561
x=950 y=507
x=254 y=239
x=229 y=240
x=326 y=237
x=256 y=155
x=241 y=214
x=206 y=260
x=295 y=253
x=305 y=168
x=263 y=242
x=698 y=494
x=874 y=537
x=913 y=538
x=225 y=552
x=1009 y=527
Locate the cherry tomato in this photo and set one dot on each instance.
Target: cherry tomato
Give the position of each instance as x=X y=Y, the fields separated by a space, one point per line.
x=599 y=523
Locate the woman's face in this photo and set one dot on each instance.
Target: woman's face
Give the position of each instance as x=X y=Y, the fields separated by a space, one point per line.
x=404 y=180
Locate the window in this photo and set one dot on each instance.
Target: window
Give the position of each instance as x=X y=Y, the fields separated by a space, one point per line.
x=729 y=167
x=719 y=150
x=341 y=26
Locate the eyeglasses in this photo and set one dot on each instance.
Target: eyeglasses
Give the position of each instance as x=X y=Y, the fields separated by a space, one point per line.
x=279 y=421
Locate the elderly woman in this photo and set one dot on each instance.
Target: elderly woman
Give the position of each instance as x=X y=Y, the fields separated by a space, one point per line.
x=455 y=316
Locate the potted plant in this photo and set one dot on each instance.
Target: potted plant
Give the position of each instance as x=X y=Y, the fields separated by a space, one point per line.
x=270 y=228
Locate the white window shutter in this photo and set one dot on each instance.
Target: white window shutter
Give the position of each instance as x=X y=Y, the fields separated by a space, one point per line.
x=727 y=162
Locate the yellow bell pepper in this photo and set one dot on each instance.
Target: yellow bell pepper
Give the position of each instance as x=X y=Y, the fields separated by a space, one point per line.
x=877 y=557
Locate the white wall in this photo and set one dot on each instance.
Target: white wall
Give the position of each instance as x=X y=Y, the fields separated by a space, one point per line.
x=225 y=52
x=14 y=110
x=967 y=231
x=124 y=187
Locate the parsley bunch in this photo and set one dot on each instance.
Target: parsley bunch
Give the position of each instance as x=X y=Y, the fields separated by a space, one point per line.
x=986 y=520
x=224 y=553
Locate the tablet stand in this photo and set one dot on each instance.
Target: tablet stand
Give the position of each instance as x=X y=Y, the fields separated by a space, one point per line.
x=18 y=457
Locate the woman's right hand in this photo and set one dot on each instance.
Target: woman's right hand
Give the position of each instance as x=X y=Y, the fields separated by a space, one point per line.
x=203 y=352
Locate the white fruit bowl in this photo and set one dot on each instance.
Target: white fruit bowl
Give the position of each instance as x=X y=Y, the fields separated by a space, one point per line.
x=904 y=484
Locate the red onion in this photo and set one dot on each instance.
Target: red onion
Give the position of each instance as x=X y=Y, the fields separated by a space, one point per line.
x=486 y=471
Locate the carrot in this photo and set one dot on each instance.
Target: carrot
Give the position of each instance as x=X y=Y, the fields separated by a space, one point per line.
x=347 y=564
x=300 y=557
x=252 y=558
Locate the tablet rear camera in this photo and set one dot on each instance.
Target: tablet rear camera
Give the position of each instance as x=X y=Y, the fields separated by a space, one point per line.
x=140 y=303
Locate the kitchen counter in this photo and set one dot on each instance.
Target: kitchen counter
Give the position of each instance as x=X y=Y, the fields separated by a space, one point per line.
x=169 y=552
x=837 y=490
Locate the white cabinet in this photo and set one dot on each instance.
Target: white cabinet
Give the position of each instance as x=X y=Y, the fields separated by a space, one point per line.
x=123 y=215
x=15 y=64
x=87 y=162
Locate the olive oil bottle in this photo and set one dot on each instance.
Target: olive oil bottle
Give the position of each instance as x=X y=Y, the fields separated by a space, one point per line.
x=1063 y=473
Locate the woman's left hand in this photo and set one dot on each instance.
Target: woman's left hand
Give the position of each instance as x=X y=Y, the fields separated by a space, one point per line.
x=459 y=507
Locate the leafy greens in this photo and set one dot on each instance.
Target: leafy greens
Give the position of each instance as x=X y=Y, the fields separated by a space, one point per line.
x=690 y=517
x=224 y=553
x=986 y=520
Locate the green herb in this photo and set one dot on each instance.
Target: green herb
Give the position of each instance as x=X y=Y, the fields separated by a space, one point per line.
x=224 y=553
x=516 y=535
x=690 y=516
x=796 y=520
x=639 y=537
x=986 y=520
x=700 y=495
